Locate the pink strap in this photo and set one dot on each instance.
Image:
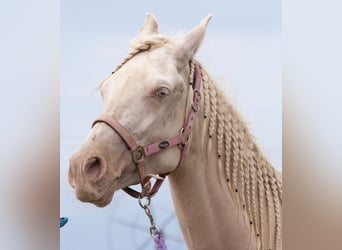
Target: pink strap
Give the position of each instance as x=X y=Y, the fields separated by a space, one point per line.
x=189 y=122
x=164 y=144
x=115 y=125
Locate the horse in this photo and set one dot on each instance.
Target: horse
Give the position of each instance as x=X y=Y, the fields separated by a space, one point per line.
x=164 y=116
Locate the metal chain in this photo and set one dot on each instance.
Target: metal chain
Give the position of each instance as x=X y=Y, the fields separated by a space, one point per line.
x=154 y=230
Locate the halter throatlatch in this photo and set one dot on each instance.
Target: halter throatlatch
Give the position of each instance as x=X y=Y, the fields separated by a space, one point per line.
x=140 y=152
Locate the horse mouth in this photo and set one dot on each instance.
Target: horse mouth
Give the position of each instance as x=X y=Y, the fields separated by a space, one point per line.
x=104 y=200
x=98 y=200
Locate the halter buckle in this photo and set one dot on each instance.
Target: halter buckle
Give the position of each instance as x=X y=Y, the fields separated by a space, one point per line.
x=196 y=100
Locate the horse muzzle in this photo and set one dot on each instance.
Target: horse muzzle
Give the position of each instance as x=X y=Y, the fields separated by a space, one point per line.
x=87 y=176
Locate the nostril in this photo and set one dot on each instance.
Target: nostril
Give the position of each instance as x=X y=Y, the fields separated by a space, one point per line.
x=93 y=167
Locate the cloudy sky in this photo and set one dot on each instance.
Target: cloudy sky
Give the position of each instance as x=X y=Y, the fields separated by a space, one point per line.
x=241 y=50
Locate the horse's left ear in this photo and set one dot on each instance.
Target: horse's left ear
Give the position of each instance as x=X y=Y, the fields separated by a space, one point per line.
x=189 y=43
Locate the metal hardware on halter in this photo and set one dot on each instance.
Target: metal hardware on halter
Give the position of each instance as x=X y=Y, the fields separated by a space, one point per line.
x=148 y=198
x=197 y=98
x=138 y=154
x=164 y=144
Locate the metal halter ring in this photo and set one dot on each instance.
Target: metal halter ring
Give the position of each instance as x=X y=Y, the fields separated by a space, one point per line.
x=148 y=202
x=138 y=154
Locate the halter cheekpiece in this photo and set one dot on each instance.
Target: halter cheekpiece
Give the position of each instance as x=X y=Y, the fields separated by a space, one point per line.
x=140 y=152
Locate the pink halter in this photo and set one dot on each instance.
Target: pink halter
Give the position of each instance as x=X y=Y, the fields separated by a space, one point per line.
x=140 y=152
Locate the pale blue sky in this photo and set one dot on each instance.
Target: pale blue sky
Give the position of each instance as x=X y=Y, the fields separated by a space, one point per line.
x=241 y=50
x=125 y=15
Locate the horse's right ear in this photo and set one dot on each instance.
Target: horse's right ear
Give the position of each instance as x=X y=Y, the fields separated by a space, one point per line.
x=150 y=26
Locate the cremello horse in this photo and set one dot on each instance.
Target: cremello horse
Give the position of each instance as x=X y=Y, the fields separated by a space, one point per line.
x=154 y=123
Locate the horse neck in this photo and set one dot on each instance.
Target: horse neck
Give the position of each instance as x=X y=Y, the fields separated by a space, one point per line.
x=208 y=213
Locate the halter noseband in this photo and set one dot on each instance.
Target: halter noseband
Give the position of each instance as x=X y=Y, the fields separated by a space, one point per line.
x=140 y=152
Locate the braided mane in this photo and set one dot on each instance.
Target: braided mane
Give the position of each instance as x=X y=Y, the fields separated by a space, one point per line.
x=248 y=173
x=251 y=179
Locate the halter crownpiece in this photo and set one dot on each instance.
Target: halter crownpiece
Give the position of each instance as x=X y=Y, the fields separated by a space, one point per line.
x=140 y=152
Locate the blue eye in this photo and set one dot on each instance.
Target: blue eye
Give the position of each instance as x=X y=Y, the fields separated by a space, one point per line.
x=162 y=92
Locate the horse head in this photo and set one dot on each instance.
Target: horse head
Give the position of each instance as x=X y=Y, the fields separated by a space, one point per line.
x=149 y=96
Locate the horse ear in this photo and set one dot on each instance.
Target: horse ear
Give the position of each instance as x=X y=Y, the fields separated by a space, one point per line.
x=150 y=26
x=192 y=40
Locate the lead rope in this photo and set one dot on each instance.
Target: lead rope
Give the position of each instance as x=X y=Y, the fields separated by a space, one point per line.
x=154 y=230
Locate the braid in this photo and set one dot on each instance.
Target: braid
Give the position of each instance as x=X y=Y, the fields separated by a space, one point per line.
x=277 y=209
x=253 y=202
x=131 y=53
x=242 y=166
x=261 y=203
x=140 y=45
x=235 y=156
x=247 y=184
x=268 y=202
x=227 y=151
x=206 y=95
x=192 y=72
x=278 y=185
x=213 y=110
x=220 y=126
